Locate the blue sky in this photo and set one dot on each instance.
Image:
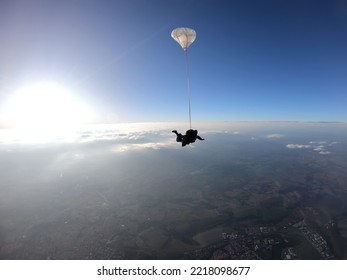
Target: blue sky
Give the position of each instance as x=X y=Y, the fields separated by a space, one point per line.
x=252 y=60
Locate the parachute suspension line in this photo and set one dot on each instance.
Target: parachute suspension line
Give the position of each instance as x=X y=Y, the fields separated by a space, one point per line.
x=188 y=89
x=185 y=36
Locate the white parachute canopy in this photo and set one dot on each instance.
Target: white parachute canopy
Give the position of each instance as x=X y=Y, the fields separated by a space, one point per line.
x=184 y=36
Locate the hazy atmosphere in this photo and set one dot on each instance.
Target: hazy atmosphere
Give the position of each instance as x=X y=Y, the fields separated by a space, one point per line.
x=91 y=90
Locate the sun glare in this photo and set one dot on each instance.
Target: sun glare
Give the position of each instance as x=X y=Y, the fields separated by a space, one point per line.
x=45 y=105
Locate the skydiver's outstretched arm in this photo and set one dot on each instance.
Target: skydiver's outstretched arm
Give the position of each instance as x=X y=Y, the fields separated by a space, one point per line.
x=198 y=137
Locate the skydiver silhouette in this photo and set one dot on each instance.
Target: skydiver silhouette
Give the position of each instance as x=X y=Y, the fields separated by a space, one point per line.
x=190 y=137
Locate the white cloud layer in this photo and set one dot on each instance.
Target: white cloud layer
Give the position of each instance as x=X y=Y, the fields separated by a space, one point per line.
x=274 y=136
x=316 y=146
x=140 y=136
x=298 y=146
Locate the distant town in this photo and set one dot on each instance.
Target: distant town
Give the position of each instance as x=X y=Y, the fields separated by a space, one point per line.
x=266 y=242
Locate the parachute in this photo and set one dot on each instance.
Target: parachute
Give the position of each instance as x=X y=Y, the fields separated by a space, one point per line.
x=185 y=36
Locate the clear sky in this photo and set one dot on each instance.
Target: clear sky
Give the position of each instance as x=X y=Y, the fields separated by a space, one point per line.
x=252 y=59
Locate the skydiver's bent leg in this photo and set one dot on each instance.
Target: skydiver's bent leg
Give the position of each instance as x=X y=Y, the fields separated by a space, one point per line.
x=179 y=136
x=184 y=141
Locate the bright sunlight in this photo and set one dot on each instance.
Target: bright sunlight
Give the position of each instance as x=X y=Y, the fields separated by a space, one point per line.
x=45 y=105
